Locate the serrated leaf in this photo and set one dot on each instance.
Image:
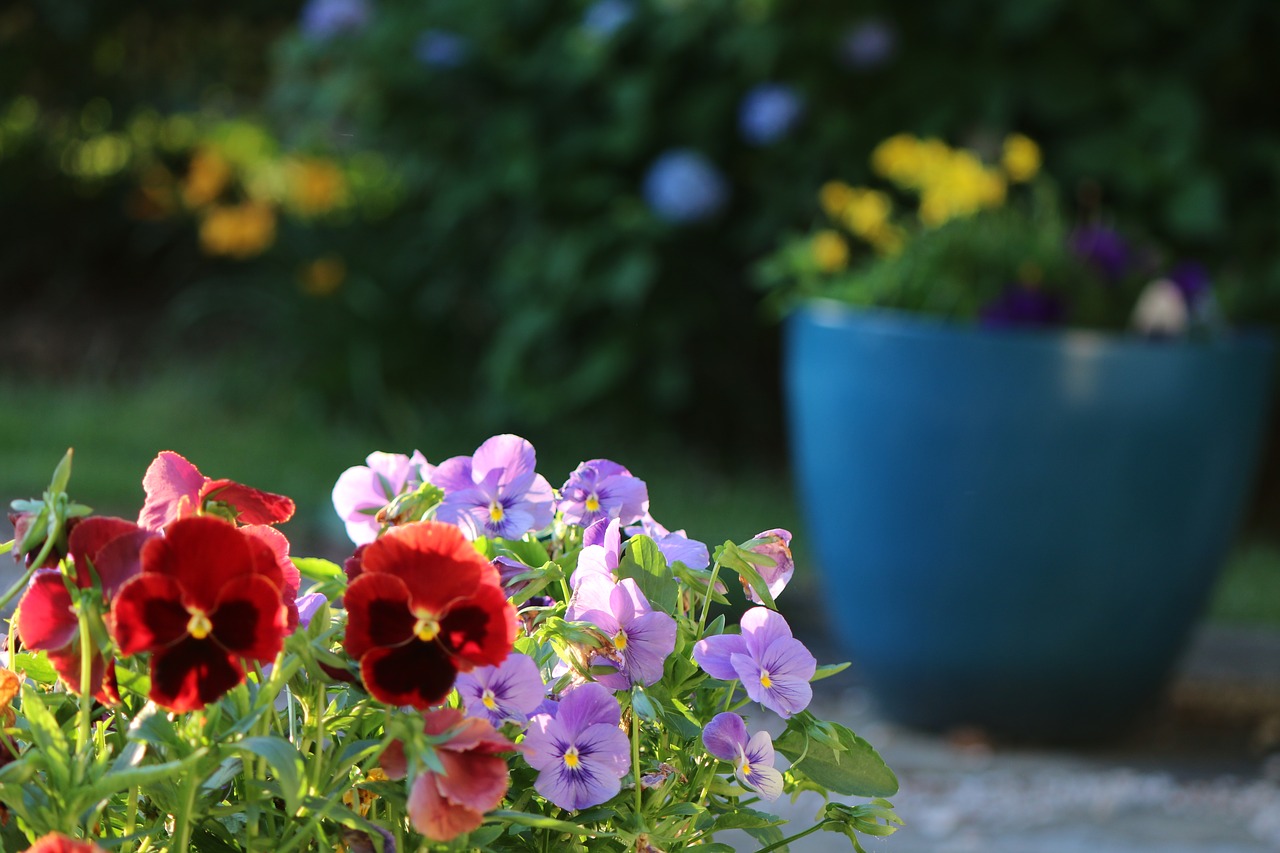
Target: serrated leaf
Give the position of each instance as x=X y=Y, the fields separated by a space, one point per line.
x=48 y=737
x=285 y=762
x=857 y=771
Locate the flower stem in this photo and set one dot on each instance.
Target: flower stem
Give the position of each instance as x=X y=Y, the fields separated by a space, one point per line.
x=86 y=679
x=635 y=756
x=182 y=832
x=784 y=842
x=130 y=819
x=706 y=602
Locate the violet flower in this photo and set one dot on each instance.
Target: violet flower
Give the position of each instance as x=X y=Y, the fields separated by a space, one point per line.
x=768 y=113
x=675 y=545
x=683 y=187
x=363 y=490
x=1102 y=248
x=1192 y=279
x=510 y=691
x=496 y=491
x=726 y=738
x=580 y=753
x=1019 y=305
x=868 y=45
x=773 y=666
x=776 y=545
x=600 y=489
x=601 y=544
x=642 y=637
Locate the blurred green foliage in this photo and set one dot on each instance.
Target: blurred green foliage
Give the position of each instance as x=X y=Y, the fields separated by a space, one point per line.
x=514 y=258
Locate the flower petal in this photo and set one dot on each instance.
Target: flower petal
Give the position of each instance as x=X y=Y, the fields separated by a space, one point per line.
x=418 y=673
x=476 y=781
x=545 y=742
x=764 y=779
x=202 y=553
x=378 y=614
x=434 y=560
x=725 y=736
x=761 y=627
x=250 y=620
x=511 y=453
x=713 y=655
x=47 y=617
x=481 y=630
x=192 y=673
x=172 y=485
x=252 y=506
x=435 y=817
x=147 y=614
x=586 y=705
x=651 y=638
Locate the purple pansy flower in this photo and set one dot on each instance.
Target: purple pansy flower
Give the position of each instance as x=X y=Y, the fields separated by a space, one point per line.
x=364 y=489
x=675 y=545
x=1019 y=305
x=441 y=49
x=682 y=186
x=726 y=738
x=1102 y=248
x=307 y=606
x=601 y=489
x=768 y=113
x=869 y=44
x=773 y=666
x=495 y=492
x=601 y=544
x=510 y=691
x=580 y=753
x=642 y=637
x=776 y=545
x=323 y=19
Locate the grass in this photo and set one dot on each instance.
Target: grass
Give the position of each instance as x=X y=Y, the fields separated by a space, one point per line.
x=272 y=440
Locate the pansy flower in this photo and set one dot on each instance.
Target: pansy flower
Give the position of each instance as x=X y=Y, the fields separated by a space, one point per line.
x=601 y=544
x=443 y=806
x=102 y=549
x=510 y=691
x=675 y=545
x=175 y=488
x=726 y=738
x=642 y=637
x=600 y=489
x=496 y=491
x=56 y=842
x=774 y=545
x=774 y=667
x=208 y=598
x=425 y=606
x=363 y=490
x=580 y=753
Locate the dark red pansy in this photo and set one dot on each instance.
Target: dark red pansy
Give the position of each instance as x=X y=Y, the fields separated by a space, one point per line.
x=352 y=567
x=175 y=489
x=209 y=595
x=101 y=549
x=424 y=607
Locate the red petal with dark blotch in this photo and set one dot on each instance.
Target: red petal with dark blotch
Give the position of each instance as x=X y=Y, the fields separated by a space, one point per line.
x=481 y=629
x=89 y=536
x=419 y=673
x=435 y=561
x=191 y=674
x=46 y=615
x=119 y=560
x=172 y=485
x=203 y=554
x=250 y=620
x=252 y=506
x=290 y=579
x=147 y=614
x=102 y=673
x=434 y=816
x=378 y=614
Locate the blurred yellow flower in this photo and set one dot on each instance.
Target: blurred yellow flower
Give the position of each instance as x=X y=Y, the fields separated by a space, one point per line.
x=1021 y=158
x=830 y=251
x=867 y=211
x=315 y=186
x=238 y=231
x=206 y=178
x=888 y=239
x=897 y=158
x=323 y=276
x=835 y=197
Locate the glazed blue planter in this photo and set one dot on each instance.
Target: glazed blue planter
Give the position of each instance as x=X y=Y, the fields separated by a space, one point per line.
x=1017 y=530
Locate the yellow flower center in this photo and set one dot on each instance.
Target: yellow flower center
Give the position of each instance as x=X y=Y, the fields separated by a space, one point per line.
x=571 y=759
x=427 y=627
x=746 y=768
x=765 y=680
x=495 y=511
x=199 y=625
x=620 y=641
x=487 y=698
x=593 y=502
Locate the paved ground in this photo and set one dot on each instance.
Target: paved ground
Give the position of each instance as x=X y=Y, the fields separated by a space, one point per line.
x=1204 y=776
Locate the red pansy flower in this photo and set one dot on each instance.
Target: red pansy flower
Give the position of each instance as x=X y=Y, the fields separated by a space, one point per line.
x=279 y=545
x=102 y=548
x=208 y=596
x=425 y=606
x=175 y=488
x=443 y=806
x=56 y=842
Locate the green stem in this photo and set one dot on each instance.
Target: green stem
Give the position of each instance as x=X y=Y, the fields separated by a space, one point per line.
x=86 y=679
x=130 y=819
x=182 y=832
x=317 y=763
x=784 y=842
x=706 y=602
x=728 y=700
x=19 y=586
x=635 y=757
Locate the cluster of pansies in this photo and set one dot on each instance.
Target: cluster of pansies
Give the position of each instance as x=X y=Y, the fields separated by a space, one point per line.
x=980 y=236
x=499 y=663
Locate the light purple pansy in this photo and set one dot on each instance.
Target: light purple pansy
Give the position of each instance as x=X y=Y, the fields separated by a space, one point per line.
x=362 y=490
x=773 y=666
x=307 y=606
x=600 y=489
x=580 y=753
x=774 y=545
x=510 y=691
x=496 y=491
x=601 y=545
x=642 y=637
x=726 y=738
x=675 y=545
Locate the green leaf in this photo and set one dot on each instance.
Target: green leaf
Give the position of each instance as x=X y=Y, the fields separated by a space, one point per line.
x=6 y=547
x=829 y=670
x=540 y=822
x=744 y=818
x=283 y=759
x=646 y=706
x=35 y=666
x=733 y=557
x=61 y=474
x=767 y=836
x=857 y=770
x=644 y=563
x=318 y=569
x=49 y=738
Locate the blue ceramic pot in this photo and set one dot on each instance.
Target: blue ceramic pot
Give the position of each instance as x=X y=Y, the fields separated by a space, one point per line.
x=1017 y=530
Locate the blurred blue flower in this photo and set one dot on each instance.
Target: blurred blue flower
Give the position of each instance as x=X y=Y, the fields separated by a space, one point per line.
x=869 y=44
x=683 y=186
x=1020 y=305
x=1102 y=248
x=323 y=19
x=768 y=113
x=605 y=17
x=441 y=49
x=1192 y=279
